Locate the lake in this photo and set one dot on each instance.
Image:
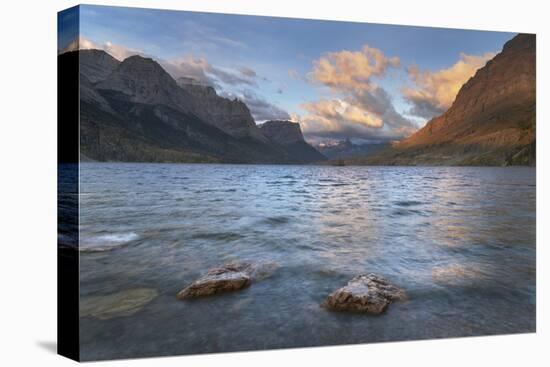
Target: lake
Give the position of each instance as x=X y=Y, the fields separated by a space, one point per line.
x=459 y=240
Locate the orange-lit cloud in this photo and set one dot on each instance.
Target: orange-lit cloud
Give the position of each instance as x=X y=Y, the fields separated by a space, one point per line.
x=338 y=111
x=339 y=119
x=435 y=91
x=358 y=107
x=346 y=70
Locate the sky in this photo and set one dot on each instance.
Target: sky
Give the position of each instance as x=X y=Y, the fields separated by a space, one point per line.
x=366 y=82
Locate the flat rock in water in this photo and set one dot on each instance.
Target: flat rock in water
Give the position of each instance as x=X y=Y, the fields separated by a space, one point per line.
x=119 y=304
x=228 y=278
x=366 y=293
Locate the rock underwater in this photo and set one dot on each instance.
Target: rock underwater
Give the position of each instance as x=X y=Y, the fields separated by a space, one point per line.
x=366 y=293
x=124 y=303
x=227 y=278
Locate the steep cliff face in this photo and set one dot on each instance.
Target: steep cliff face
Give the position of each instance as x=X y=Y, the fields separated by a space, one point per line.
x=491 y=122
x=231 y=116
x=282 y=132
x=288 y=134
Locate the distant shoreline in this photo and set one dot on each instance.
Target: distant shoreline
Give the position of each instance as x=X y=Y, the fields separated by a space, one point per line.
x=321 y=164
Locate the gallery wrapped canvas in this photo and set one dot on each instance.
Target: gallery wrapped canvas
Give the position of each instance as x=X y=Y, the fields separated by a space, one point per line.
x=238 y=183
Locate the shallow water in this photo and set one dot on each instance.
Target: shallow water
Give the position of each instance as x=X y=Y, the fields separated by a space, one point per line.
x=460 y=241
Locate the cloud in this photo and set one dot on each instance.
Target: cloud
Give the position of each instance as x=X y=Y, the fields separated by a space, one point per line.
x=263 y=110
x=117 y=51
x=351 y=69
x=339 y=119
x=260 y=108
x=189 y=67
x=379 y=102
x=231 y=78
x=358 y=107
x=435 y=91
x=201 y=70
x=337 y=111
x=201 y=38
x=294 y=74
x=120 y=52
x=80 y=43
x=248 y=72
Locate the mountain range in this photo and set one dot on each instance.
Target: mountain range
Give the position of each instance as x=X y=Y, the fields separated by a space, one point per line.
x=345 y=149
x=134 y=111
x=492 y=121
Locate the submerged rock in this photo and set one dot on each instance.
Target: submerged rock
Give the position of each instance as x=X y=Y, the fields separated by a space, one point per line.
x=228 y=278
x=119 y=304
x=262 y=270
x=366 y=293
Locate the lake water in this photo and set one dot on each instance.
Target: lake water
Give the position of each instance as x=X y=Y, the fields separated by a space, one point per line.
x=460 y=241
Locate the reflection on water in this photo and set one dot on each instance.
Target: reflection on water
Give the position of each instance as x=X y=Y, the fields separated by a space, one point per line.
x=460 y=241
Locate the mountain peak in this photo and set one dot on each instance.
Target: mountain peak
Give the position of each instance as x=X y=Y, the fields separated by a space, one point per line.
x=520 y=41
x=96 y=64
x=143 y=80
x=144 y=66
